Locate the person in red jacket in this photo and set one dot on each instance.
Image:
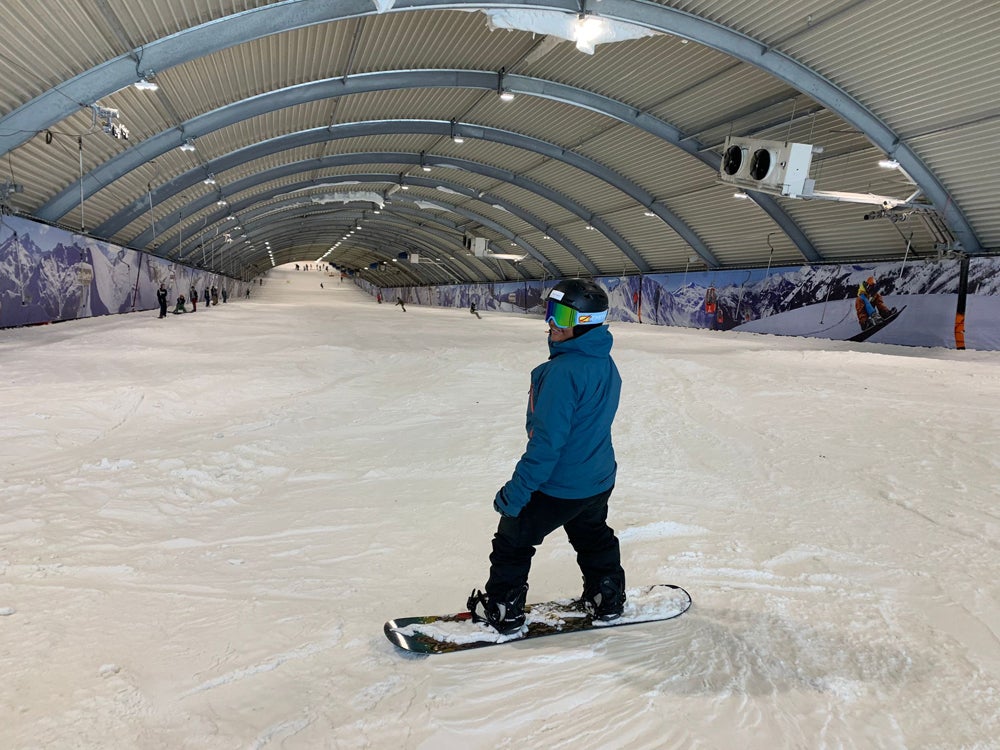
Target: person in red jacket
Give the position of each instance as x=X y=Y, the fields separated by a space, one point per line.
x=869 y=306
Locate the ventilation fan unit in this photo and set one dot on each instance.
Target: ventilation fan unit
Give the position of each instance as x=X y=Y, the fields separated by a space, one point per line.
x=479 y=246
x=776 y=167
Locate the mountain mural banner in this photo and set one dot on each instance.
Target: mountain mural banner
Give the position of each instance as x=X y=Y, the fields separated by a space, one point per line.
x=49 y=275
x=921 y=303
x=823 y=301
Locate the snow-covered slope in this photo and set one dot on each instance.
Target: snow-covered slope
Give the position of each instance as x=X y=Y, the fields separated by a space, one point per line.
x=205 y=520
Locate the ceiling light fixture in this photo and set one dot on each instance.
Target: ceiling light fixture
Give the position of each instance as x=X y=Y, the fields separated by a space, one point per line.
x=455 y=137
x=146 y=82
x=740 y=195
x=210 y=180
x=188 y=145
x=888 y=163
x=587 y=31
x=505 y=94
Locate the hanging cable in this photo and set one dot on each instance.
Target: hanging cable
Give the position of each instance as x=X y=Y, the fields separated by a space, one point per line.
x=770 y=255
x=83 y=224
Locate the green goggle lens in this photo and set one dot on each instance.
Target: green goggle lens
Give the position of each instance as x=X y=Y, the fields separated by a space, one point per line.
x=566 y=317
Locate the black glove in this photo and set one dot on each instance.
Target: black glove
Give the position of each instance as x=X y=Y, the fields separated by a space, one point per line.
x=501 y=506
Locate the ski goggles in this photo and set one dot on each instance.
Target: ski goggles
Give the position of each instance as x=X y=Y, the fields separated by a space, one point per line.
x=565 y=316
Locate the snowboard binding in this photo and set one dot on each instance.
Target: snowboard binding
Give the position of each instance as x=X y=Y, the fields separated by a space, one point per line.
x=505 y=615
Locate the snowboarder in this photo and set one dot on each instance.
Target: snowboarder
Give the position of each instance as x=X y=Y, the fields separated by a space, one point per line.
x=161 y=297
x=869 y=306
x=567 y=472
x=473 y=310
x=399 y=301
x=179 y=307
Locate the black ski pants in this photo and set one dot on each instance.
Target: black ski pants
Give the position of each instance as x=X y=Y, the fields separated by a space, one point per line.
x=586 y=525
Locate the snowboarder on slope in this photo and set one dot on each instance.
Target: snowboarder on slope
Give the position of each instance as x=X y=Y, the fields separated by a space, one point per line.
x=869 y=306
x=567 y=472
x=161 y=297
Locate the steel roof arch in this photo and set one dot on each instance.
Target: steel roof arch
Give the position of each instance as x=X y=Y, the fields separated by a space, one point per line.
x=156 y=145
x=50 y=107
x=288 y=141
x=243 y=205
x=447 y=243
x=248 y=217
x=337 y=160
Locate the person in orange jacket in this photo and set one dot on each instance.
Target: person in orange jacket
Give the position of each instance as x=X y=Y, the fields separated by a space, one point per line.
x=869 y=306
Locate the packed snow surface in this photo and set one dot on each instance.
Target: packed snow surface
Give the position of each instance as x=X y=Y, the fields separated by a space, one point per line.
x=205 y=521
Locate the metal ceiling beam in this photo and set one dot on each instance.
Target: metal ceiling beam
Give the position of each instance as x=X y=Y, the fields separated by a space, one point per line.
x=168 y=248
x=340 y=160
x=414 y=216
x=440 y=128
x=426 y=274
x=188 y=44
x=241 y=207
x=328 y=225
x=385 y=248
x=151 y=148
x=503 y=265
x=430 y=274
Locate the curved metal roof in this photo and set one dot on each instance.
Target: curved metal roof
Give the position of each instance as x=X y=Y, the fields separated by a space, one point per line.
x=602 y=164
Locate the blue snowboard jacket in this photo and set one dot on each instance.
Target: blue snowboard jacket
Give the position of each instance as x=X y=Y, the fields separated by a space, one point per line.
x=571 y=405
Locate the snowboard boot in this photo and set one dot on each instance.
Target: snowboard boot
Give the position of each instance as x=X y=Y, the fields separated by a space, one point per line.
x=605 y=599
x=504 y=614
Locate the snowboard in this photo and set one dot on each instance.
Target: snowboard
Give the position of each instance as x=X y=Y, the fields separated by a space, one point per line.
x=441 y=634
x=878 y=327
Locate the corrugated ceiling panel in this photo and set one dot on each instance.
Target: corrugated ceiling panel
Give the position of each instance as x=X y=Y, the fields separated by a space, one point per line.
x=546 y=120
x=451 y=39
x=655 y=241
x=734 y=230
x=885 y=65
x=419 y=104
x=839 y=233
x=643 y=72
x=497 y=155
x=144 y=22
x=945 y=106
x=967 y=160
x=593 y=194
x=549 y=213
x=46 y=43
x=770 y=23
x=661 y=168
x=739 y=88
x=601 y=251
